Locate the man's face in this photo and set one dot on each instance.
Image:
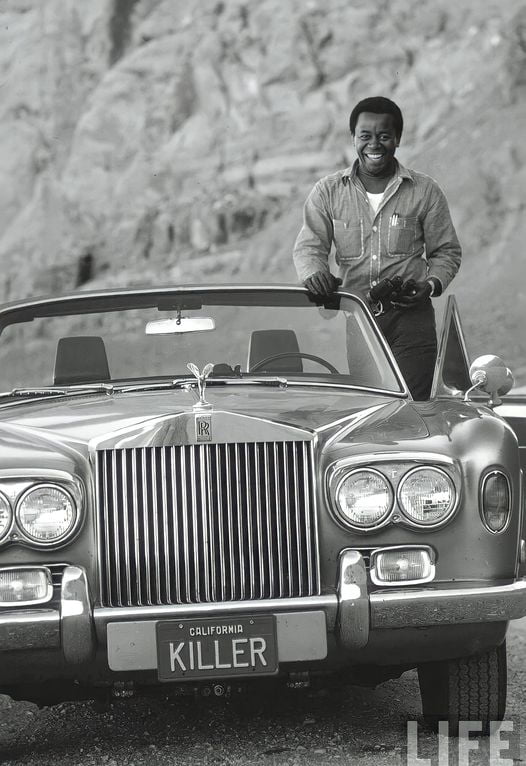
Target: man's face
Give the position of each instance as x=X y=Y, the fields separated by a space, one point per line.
x=375 y=141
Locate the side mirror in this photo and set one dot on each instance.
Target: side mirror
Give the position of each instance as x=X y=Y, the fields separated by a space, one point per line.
x=489 y=374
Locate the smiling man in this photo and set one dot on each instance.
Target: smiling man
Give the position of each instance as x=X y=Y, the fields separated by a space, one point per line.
x=384 y=221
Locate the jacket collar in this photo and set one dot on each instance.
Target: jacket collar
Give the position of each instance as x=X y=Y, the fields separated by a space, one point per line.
x=351 y=173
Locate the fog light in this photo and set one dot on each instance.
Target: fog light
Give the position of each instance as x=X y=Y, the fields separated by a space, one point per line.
x=25 y=585
x=402 y=565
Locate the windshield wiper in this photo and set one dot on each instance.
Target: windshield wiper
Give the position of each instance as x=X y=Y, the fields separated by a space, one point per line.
x=87 y=388
x=109 y=388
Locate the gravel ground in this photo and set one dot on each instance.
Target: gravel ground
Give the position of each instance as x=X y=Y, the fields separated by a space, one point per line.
x=345 y=726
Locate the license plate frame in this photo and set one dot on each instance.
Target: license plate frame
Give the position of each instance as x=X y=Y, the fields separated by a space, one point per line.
x=209 y=647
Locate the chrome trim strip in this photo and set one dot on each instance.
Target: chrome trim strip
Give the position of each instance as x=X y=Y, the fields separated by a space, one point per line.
x=220 y=519
x=394 y=457
x=205 y=516
x=126 y=521
x=209 y=496
x=441 y=606
x=231 y=530
x=154 y=466
x=249 y=525
x=195 y=559
x=117 y=557
x=145 y=527
x=327 y=602
x=186 y=526
x=135 y=507
x=316 y=515
x=239 y=524
x=270 y=545
x=76 y=618
x=297 y=519
x=29 y=630
x=259 y=524
x=353 y=613
x=169 y=566
x=279 y=517
x=290 y=568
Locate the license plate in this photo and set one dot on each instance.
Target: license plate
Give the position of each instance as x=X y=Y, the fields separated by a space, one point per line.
x=216 y=648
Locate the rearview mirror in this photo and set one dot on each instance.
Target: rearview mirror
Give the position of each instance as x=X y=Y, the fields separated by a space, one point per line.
x=489 y=374
x=177 y=325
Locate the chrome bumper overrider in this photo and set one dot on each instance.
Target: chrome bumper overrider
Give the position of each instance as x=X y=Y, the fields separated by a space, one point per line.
x=351 y=613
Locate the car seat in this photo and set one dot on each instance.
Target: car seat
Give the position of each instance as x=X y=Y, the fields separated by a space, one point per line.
x=269 y=343
x=81 y=359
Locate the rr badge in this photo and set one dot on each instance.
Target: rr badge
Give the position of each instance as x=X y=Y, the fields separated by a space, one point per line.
x=203 y=428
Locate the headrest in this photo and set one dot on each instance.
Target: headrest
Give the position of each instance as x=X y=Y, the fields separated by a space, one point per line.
x=81 y=359
x=268 y=343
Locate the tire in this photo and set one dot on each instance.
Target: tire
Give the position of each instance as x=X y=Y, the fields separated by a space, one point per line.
x=467 y=689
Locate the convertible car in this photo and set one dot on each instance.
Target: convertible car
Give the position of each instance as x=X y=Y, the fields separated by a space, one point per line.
x=202 y=487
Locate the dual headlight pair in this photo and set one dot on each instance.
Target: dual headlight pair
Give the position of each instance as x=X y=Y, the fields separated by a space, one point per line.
x=425 y=497
x=43 y=514
x=365 y=498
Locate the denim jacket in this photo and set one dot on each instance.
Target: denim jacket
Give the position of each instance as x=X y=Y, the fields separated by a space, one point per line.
x=411 y=235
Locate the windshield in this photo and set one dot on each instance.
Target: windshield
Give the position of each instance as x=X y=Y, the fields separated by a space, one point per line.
x=120 y=338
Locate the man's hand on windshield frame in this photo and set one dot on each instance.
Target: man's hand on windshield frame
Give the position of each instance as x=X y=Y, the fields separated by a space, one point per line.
x=322 y=283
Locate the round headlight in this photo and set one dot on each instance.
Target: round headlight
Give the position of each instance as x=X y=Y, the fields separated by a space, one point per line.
x=5 y=516
x=364 y=497
x=426 y=495
x=46 y=513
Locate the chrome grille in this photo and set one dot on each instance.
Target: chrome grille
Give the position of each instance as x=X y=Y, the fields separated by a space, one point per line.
x=206 y=523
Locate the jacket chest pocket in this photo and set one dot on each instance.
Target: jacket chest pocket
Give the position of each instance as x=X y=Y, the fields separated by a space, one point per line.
x=401 y=236
x=348 y=238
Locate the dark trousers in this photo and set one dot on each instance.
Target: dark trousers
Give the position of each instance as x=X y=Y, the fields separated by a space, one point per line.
x=411 y=333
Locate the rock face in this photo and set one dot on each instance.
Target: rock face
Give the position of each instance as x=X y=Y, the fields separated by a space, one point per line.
x=146 y=141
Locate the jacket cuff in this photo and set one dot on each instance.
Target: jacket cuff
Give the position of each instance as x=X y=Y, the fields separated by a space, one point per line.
x=437 y=286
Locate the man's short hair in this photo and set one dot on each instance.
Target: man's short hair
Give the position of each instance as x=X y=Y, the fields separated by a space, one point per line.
x=377 y=105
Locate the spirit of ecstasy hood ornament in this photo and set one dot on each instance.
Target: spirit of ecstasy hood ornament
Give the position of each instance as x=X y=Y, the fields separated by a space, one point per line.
x=201 y=382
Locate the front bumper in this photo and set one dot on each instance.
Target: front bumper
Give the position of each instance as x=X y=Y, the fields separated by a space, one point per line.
x=351 y=614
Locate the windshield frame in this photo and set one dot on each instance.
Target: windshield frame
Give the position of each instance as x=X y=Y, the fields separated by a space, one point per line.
x=113 y=300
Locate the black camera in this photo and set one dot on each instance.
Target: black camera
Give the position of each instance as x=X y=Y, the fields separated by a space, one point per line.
x=389 y=291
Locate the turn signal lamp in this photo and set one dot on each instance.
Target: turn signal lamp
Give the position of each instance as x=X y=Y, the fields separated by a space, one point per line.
x=496 y=501
x=402 y=565
x=20 y=586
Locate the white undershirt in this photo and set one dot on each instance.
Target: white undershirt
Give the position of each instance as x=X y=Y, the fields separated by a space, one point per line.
x=374 y=200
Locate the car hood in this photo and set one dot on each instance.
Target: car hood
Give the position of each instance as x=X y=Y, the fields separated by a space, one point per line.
x=77 y=420
x=47 y=435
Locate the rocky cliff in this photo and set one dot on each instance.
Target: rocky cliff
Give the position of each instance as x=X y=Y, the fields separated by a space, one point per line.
x=147 y=141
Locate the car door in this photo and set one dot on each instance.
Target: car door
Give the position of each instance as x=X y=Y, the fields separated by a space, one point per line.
x=451 y=377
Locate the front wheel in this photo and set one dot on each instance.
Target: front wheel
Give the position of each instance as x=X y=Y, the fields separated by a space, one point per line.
x=467 y=689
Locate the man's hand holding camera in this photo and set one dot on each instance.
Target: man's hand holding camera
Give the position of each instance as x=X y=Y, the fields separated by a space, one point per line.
x=412 y=294
x=399 y=294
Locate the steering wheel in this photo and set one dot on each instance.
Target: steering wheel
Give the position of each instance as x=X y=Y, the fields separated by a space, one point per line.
x=294 y=355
